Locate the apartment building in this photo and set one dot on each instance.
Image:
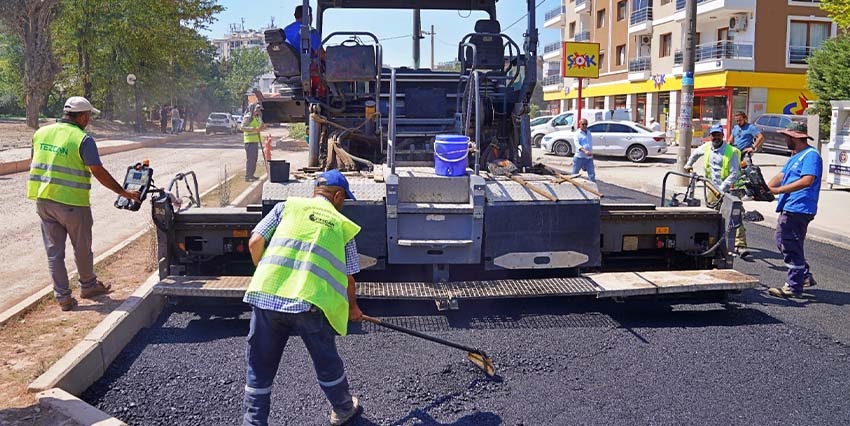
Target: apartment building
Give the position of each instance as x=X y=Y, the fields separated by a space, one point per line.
x=750 y=56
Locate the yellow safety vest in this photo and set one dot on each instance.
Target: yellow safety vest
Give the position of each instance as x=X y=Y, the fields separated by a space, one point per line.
x=305 y=259
x=57 y=171
x=251 y=133
x=728 y=155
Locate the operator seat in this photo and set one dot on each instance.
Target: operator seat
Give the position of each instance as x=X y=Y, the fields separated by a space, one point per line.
x=489 y=45
x=285 y=58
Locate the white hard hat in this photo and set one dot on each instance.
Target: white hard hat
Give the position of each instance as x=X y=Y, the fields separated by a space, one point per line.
x=79 y=104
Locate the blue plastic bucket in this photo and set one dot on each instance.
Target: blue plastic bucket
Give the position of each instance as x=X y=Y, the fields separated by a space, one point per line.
x=450 y=155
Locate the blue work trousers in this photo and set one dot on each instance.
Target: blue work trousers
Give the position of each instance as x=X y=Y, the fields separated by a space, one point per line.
x=790 y=235
x=580 y=164
x=269 y=332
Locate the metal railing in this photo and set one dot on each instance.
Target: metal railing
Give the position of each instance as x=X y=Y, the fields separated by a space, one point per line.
x=582 y=2
x=552 y=14
x=680 y=4
x=583 y=36
x=552 y=47
x=391 y=137
x=551 y=80
x=800 y=54
x=640 y=64
x=717 y=50
x=641 y=16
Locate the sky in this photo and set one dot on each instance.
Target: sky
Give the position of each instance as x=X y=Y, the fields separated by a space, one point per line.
x=449 y=26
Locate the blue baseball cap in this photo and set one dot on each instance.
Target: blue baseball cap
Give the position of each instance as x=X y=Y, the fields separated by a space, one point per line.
x=717 y=128
x=335 y=178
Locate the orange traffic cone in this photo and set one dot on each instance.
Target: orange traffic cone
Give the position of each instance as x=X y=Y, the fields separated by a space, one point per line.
x=267 y=148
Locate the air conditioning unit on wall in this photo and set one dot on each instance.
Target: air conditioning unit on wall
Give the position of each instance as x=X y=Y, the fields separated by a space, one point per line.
x=645 y=40
x=738 y=22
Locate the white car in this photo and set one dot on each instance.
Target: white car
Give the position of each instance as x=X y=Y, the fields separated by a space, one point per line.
x=615 y=138
x=565 y=121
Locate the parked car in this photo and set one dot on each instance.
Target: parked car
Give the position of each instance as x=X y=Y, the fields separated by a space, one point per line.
x=770 y=125
x=220 y=122
x=627 y=139
x=565 y=121
x=237 y=122
x=540 y=120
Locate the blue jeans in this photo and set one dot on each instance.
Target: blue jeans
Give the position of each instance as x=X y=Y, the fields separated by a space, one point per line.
x=585 y=164
x=175 y=125
x=269 y=332
x=790 y=235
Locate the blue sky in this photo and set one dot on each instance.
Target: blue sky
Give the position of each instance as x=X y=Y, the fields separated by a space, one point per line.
x=450 y=26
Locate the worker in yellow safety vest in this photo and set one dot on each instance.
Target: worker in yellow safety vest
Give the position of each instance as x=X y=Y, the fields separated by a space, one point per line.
x=305 y=255
x=722 y=168
x=251 y=136
x=64 y=158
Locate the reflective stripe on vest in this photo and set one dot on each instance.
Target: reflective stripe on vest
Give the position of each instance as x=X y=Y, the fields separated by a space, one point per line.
x=57 y=171
x=305 y=259
x=251 y=133
x=728 y=155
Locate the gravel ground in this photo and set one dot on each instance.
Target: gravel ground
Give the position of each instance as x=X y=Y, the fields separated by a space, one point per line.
x=754 y=360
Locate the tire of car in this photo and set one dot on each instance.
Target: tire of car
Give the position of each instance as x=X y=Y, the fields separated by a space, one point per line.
x=562 y=148
x=207 y=131
x=537 y=141
x=636 y=153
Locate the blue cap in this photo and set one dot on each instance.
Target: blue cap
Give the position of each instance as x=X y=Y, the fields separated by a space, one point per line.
x=335 y=178
x=717 y=128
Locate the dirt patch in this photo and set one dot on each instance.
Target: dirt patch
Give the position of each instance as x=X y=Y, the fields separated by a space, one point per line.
x=16 y=134
x=31 y=344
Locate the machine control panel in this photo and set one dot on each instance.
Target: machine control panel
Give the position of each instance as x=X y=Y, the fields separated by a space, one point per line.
x=139 y=177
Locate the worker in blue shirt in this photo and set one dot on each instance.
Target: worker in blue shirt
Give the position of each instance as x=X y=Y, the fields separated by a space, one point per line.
x=746 y=137
x=797 y=188
x=293 y=31
x=583 y=159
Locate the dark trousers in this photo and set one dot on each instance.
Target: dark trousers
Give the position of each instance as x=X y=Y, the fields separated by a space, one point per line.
x=790 y=235
x=268 y=336
x=251 y=153
x=163 y=126
x=58 y=222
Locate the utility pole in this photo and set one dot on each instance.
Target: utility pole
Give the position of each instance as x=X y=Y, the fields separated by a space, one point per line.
x=685 y=133
x=432 y=34
x=417 y=36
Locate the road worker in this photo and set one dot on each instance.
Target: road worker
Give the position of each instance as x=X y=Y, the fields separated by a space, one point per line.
x=251 y=128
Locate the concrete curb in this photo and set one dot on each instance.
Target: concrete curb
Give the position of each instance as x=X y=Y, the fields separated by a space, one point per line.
x=255 y=190
x=75 y=409
x=24 y=165
x=85 y=363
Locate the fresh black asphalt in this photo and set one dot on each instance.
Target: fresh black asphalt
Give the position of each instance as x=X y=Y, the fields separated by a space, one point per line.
x=751 y=360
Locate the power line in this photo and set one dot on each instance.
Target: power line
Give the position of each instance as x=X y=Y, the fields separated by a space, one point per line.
x=523 y=16
x=395 y=37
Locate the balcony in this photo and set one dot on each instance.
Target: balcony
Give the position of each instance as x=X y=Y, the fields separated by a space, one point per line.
x=640 y=21
x=552 y=83
x=799 y=55
x=552 y=50
x=554 y=18
x=583 y=36
x=582 y=6
x=718 y=56
x=639 y=68
x=718 y=6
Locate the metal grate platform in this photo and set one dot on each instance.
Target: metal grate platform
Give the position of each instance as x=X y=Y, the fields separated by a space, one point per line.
x=604 y=285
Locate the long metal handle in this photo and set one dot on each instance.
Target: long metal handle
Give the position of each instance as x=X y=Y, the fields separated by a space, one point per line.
x=391 y=125
x=477 y=78
x=377 y=321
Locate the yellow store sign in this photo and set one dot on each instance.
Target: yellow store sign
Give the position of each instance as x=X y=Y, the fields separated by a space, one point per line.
x=580 y=60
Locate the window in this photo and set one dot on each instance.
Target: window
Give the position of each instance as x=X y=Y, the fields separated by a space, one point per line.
x=621 y=10
x=601 y=60
x=665 y=45
x=598 y=128
x=663 y=2
x=621 y=54
x=620 y=128
x=572 y=29
x=804 y=37
x=600 y=18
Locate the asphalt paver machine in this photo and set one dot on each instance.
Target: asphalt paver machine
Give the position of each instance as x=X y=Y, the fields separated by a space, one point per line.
x=424 y=235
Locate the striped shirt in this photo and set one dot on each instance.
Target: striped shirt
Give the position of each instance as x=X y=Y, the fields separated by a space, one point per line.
x=266 y=229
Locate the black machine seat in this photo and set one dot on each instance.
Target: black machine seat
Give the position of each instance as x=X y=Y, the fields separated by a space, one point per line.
x=489 y=45
x=285 y=58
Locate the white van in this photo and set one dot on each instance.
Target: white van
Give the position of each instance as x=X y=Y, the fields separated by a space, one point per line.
x=566 y=121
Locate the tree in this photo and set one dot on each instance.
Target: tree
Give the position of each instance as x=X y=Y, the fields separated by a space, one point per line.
x=839 y=10
x=30 y=21
x=244 y=66
x=11 y=75
x=829 y=76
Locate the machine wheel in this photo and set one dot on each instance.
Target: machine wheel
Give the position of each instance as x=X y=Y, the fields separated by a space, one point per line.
x=537 y=142
x=562 y=149
x=636 y=153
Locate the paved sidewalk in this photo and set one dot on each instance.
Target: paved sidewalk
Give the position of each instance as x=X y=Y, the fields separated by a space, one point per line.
x=830 y=224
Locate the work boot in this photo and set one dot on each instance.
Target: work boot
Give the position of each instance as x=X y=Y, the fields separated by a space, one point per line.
x=785 y=292
x=809 y=281
x=67 y=304
x=338 y=419
x=96 y=290
x=743 y=253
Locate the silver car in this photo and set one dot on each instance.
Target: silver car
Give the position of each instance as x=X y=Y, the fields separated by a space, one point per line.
x=615 y=138
x=770 y=125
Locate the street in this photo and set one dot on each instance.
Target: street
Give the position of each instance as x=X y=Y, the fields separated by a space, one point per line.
x=752 y=360
x=25 y=269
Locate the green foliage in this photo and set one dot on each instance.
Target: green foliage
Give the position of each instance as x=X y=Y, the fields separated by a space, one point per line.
x=244 y=66
x=839 y=10
x=829 y=76
x=297 y=131
x=12 y=97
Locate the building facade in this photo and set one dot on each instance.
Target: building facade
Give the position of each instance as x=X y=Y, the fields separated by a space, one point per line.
x=245 y=39
x=750 y=56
